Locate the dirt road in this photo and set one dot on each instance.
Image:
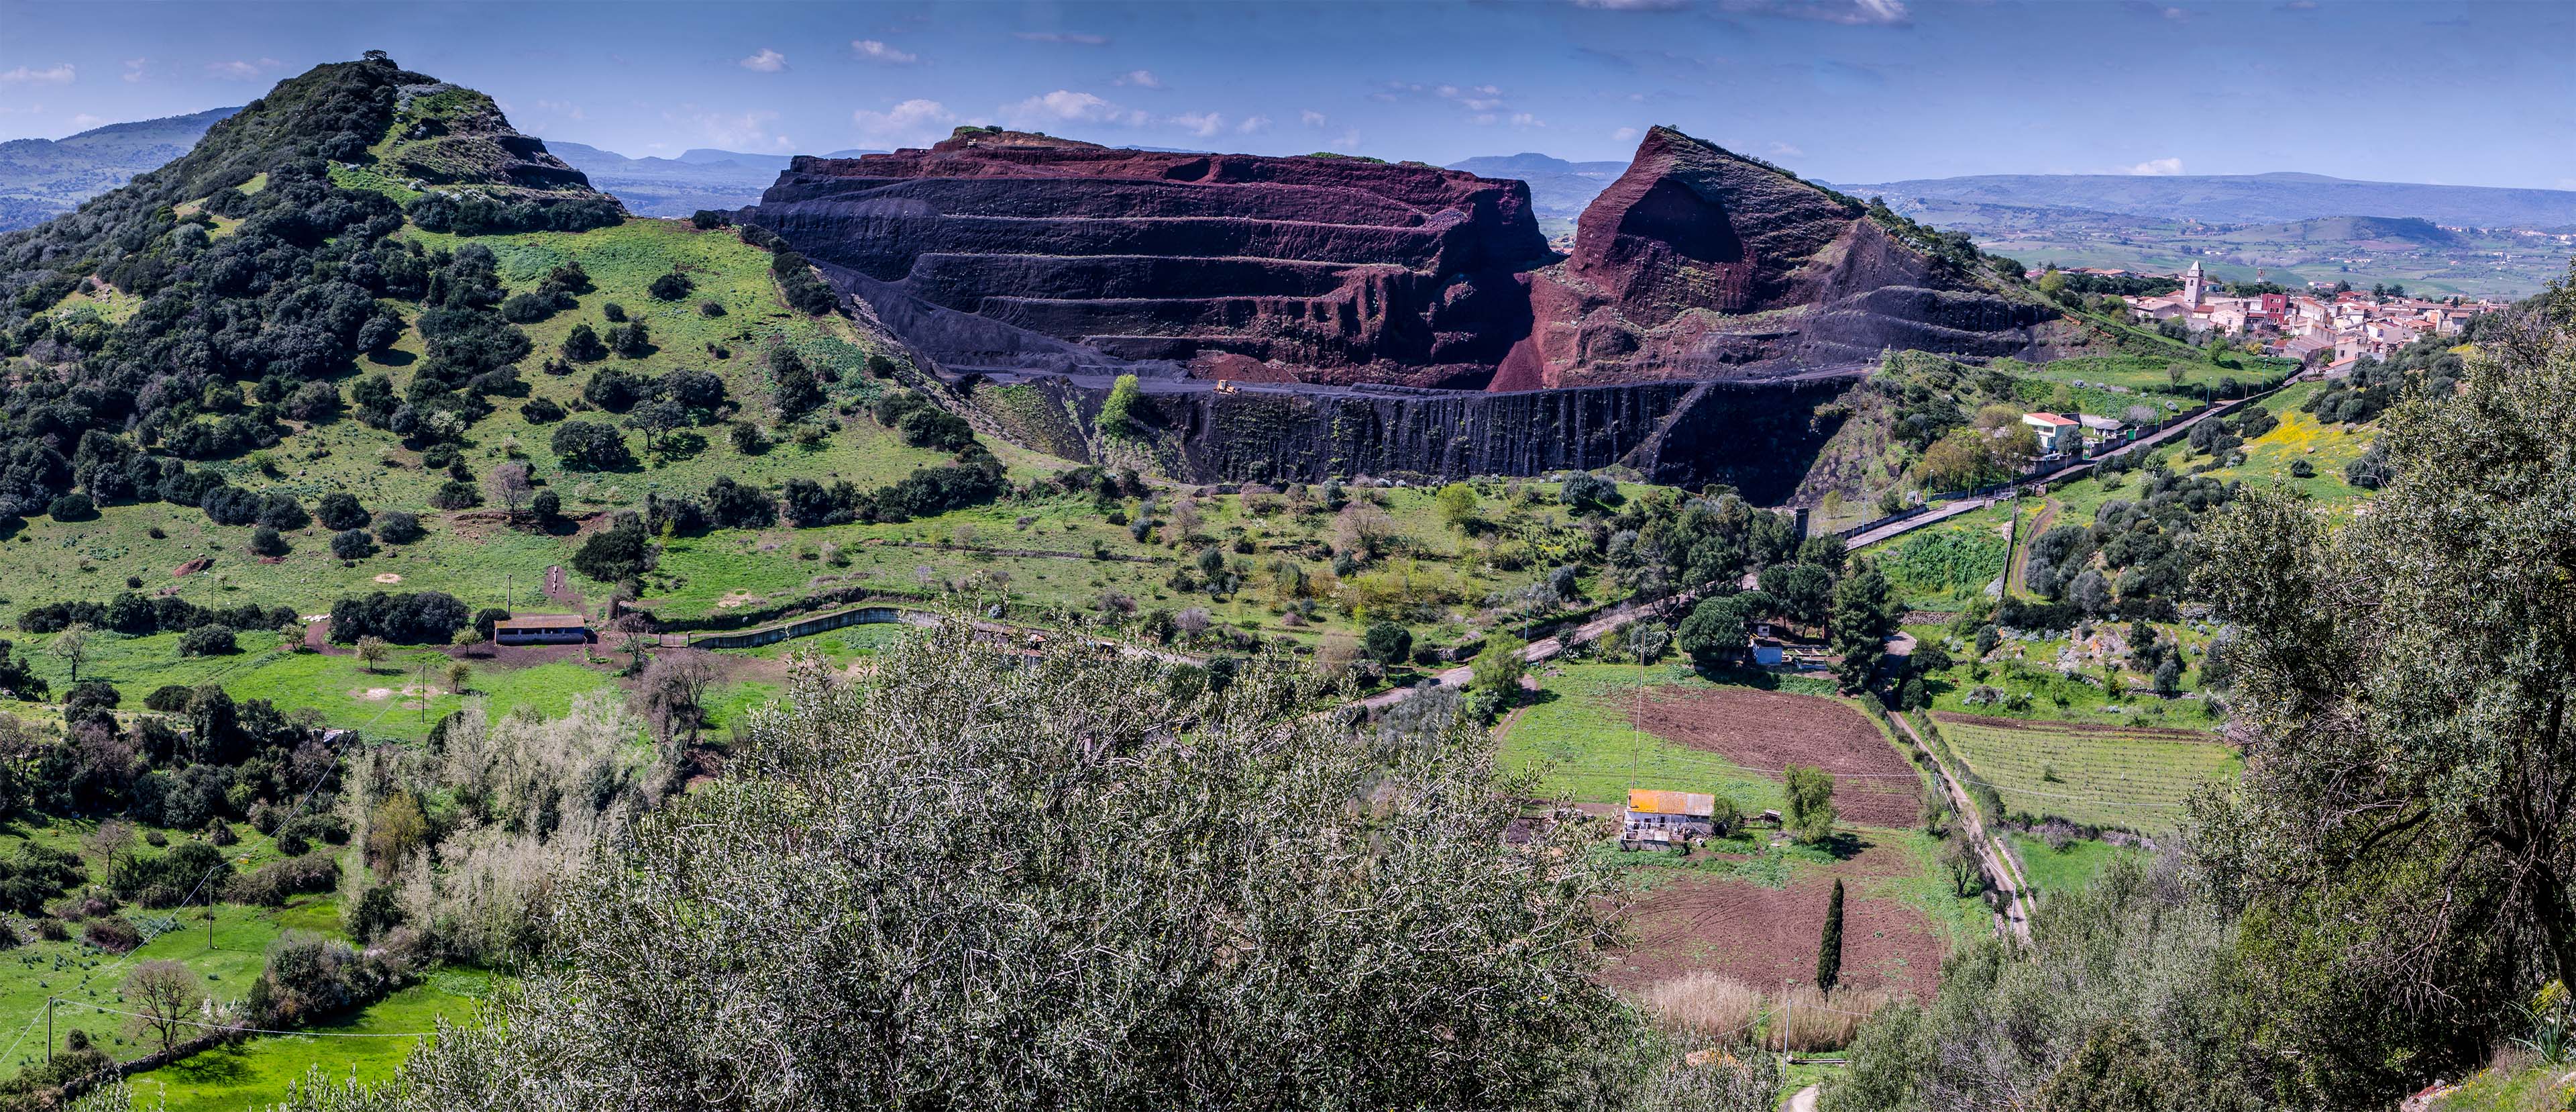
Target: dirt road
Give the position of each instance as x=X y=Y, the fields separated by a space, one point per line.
x=1999 y=864
x=1546 y=648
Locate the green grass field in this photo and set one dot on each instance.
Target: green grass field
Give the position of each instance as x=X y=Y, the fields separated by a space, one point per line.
x=383 y=702
x=2087 y=774
x=1590 y=753
x=255 y=1073
x=2300 y=436
x=1943 y=566
x=2053 y=871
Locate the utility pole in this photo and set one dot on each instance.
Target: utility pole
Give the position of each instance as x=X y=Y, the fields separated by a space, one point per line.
x=49 y=1030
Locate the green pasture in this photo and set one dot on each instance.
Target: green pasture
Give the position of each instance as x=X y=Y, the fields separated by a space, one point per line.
x=256 y=1072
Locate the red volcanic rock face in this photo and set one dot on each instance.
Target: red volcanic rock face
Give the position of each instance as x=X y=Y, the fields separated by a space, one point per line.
x=1700 y=264
x=1325 y=269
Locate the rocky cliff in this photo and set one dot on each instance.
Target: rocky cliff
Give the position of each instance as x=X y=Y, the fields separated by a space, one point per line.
x=1701 y=264
x=1031 y=259
x=1315 y=269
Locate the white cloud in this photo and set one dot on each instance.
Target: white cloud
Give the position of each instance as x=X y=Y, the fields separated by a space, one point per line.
x=565 y=109
x=1064 y=106
x=1252 y=124
x=1347 y=141
x=1201 y=124
x=1623 y=135
x=85 y=121
x=870 y=50
x=60 y=74
x=242 y=71
x=1310 y=117
x=1066 y=37
x=2158 y=167
x=1525 y=119
x=736 y=131
x=767 y=61
x=912 y=119
x=1850 y=13
x=1484 y=119
x=134 y=68
x=1784 y=150
x=1142 y=79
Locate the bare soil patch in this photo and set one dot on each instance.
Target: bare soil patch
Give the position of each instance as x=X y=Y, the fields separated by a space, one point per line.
x=387 y=577
x=1768 y=936
x=1770 y=730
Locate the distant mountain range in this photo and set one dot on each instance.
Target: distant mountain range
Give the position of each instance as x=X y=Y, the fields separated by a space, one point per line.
x=44 y=178
x=1558 y=189
x=700 y=178
x=2241 y=198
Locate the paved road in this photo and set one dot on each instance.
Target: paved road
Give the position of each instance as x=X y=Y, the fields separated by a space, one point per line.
x=1804 y=1100
x=2144 y=443
x=1998 y=863
x=1900 y=528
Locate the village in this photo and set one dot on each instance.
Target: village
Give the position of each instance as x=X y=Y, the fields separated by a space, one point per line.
x=2328 y=327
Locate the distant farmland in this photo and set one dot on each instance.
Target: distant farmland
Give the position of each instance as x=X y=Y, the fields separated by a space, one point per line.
x=2098 y=775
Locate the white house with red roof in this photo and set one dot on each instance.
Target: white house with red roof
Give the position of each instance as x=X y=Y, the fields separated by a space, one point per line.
x=2056 y=434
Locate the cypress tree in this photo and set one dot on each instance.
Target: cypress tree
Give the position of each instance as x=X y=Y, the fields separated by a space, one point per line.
x=1829 y=953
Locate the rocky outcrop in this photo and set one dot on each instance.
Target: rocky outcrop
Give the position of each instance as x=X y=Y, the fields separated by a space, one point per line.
x=1709 y=305
x=1701 y=264
x=1320 y=269
x=449 y=135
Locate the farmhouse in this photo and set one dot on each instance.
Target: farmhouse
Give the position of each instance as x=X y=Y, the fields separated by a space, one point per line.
x=541 y=629
x=1661 y=819
x=2056 y=434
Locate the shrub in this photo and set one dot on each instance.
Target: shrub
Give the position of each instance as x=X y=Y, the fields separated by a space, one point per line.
x=71 y=507
x=209 y=640
x=456 y=494
x=296 y=836
x=271 y=885
x=586 y=446
x=353 y=544
x=671 y=287
x=622 y=551
x=339 y=511
x=266 y=541
x=541 y=411
x=169 y=698
x=583 y=344
x=398 y=527
x=310 y=977
x=112 y=934
x=423 y=618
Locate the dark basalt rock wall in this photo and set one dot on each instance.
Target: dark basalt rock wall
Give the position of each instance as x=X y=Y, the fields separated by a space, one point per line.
x=1756 y=436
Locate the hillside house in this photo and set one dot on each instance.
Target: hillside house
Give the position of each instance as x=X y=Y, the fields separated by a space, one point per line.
x=1769 y=650
x=541 y=629
x=2057 y=435
x=1666 y=820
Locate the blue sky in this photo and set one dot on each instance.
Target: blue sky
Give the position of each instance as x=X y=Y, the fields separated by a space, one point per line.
x=1845 y=90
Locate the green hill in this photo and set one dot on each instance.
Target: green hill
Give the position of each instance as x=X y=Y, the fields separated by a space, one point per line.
x=366 y=282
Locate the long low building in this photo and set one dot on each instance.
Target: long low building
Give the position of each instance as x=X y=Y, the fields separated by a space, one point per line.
x=542 y=629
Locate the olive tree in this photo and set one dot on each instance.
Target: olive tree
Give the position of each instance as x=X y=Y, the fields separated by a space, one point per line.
x=2404 y=841
x=977 y=878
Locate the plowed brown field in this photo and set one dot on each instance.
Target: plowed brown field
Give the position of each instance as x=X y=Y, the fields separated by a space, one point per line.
x=1768 y=730
x=1767 y=936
